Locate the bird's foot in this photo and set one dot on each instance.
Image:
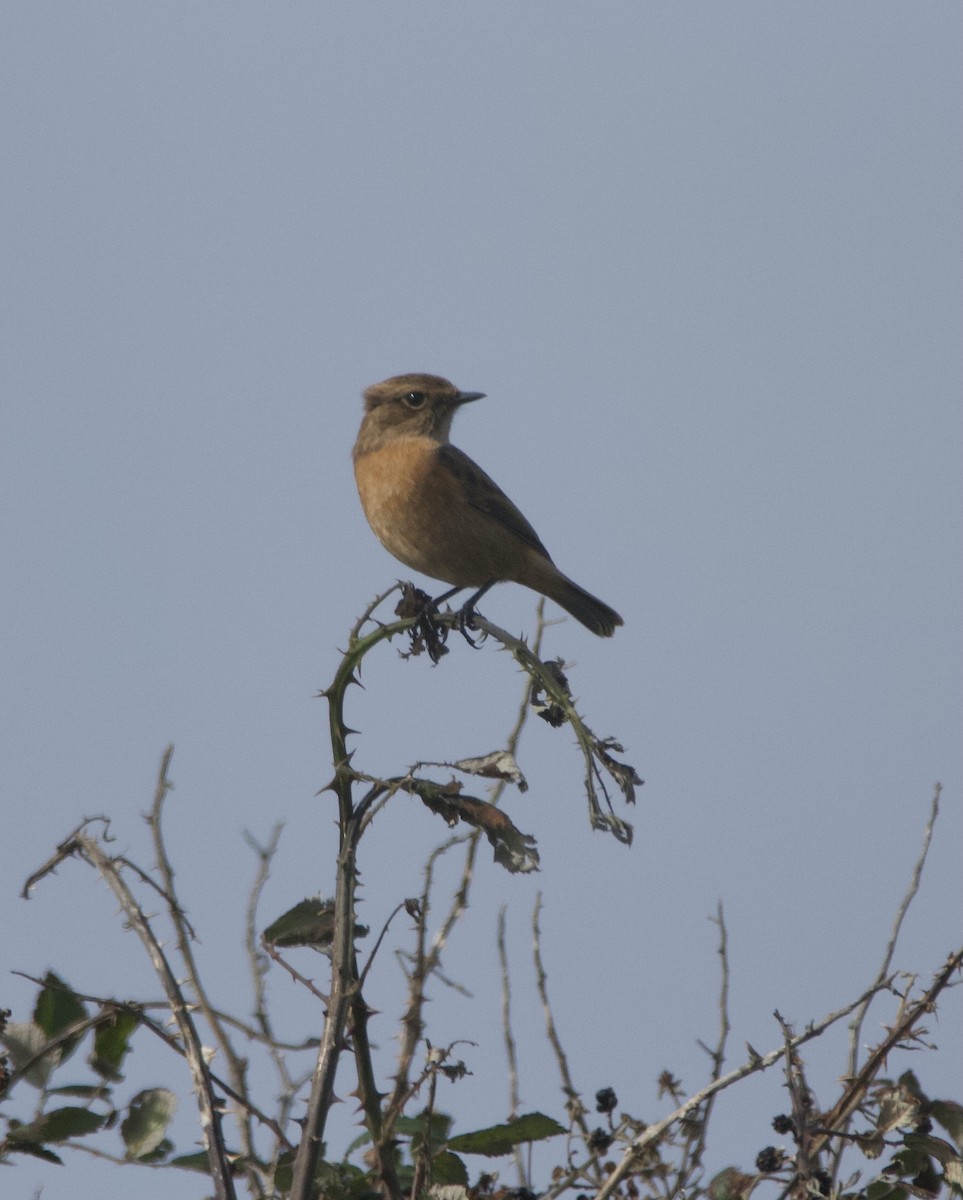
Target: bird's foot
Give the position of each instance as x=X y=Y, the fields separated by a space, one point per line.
x=428 y=633
x=465 y=620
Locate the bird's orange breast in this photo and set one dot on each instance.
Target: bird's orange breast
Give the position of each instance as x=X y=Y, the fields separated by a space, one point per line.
x=411 y=501
x=417 y=506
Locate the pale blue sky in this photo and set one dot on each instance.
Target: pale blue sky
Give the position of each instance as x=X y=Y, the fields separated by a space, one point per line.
x=704 y=259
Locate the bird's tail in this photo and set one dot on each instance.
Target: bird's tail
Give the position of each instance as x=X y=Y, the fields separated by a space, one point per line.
x=593 y=613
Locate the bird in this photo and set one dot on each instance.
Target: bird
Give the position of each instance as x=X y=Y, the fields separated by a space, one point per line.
x=439 y=513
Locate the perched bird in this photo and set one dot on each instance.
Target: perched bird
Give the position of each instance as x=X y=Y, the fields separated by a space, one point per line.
x=439 y=513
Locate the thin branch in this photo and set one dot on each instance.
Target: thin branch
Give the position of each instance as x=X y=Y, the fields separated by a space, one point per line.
x=381 y=937
x=274 y=953
x=287 y=1087
x=837 y=1119
x=427 y=960
x=718 y=1055
x=757 y=1063
x=573 y=1101
x=509 y=1038
x=366 y=616
x=801 y=1099
x=332 y=1038
x=856 y=1026
x=208 y=1104
x=596 y=752
x=343 y=980
x=384 y=1148
x=546 y=678
x=142 y=1009
x=184 y=934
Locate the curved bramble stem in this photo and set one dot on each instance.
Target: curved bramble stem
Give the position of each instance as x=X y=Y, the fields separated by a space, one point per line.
x=427 y=630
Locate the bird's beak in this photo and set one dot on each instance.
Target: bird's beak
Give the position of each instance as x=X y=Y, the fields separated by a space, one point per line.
x=464 y=397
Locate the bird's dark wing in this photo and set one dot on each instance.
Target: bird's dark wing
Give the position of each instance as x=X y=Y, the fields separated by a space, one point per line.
x=484 y=494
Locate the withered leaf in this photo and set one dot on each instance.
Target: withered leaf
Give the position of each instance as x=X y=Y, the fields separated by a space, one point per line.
x=624 y=774
x=513 y=849
x=500 y=764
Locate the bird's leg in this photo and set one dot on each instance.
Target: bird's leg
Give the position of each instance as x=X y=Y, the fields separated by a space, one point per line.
x=466 y=614
x=447 y=595
x=431 y=611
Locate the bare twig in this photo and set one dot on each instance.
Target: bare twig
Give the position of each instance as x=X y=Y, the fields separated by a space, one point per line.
x=344 y=1000
x=256 y=959
x=652 y=1133
x=856 y=1025
x=596 y=751
x=509 y=1038
x=426 y=961
x=88 y=847
x=573 y=1101
x=343 y=979
x=717 y=1055
x=546 y=678
x=332 y=1038
x=837 y=1119
x=109 y=1009
x=384 y=1148
x=801 y=1098
x=184 y=933
x=366 y=616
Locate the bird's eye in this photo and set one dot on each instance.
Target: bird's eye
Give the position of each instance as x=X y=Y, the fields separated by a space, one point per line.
x=415 y=399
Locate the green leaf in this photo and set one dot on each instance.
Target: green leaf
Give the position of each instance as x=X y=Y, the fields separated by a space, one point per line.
x=927 y=1181
x=160 y=1153
x=907 y=1160
x=111 y=1043
x=25 y=1040
x=35 y=1152
x=144 y=1127
x=431 y=1127
x=950 y=1116
x=897 y=1106
x=58 y=1125
x=446 y=1169
x=436 y=1125
x=57 y=1008
x=935 y=1147
x=310 y=923
x=198 y=1161
x=363 y=1139
x=192 y=1162
x=341 y=1181
x=915 y=1162
x=284 y=1172
x=502 y=1139
x=731 y=1184
x=879 y=1189
x=912 y=1084
x=83 y=1091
